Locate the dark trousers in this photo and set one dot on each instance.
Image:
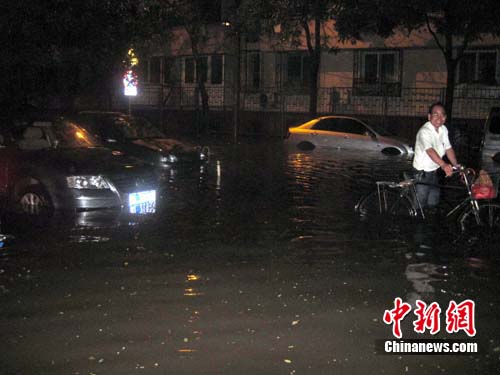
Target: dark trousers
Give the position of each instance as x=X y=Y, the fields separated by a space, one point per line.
x=428 y=191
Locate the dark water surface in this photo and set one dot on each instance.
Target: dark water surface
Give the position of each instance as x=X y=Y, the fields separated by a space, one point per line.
x=256 y=265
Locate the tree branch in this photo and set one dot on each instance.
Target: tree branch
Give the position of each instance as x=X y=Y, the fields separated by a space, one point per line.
x=434 y=35
x=305 y=26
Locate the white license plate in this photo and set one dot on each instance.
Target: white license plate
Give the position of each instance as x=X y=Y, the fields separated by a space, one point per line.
x=142 y=202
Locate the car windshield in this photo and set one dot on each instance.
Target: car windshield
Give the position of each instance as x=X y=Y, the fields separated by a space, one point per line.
x=136 y=127
x=381 y=130
x=68 y=134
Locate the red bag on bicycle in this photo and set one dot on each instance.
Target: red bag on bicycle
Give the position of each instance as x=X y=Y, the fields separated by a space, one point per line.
x=483 y=192
x=483 y=187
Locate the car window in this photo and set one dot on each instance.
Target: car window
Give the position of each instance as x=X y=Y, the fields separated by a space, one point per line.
x=495 y=125
x=381 y=130
x=70 y=135
x=343 y=125
x=137 y=127
x=353 y=127
x=329 y=124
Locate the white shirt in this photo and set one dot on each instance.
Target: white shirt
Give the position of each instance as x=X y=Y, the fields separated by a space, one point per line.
x=428 y=137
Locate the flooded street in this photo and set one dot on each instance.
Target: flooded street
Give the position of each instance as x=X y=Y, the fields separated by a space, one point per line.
x=255 y=265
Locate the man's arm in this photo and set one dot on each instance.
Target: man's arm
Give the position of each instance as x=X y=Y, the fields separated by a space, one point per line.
x=450 y=153
x=447 y=168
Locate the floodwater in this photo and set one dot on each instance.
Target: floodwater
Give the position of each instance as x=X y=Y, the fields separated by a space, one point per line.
x=255 y=265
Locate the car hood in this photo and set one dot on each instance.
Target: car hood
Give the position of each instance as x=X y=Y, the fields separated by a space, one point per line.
x=87 y=161
x=165 y=145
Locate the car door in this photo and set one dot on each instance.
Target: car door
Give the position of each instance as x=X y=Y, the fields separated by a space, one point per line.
x=490 y=148
x=358 y=136
x=328 y=133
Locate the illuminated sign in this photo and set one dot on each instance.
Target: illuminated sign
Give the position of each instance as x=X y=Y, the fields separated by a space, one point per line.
x=130 y=83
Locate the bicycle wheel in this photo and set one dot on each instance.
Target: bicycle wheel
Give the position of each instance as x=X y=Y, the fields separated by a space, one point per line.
x=388 y=203
x=489 y=220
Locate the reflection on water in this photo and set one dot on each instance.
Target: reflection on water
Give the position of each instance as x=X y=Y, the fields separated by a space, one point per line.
x=255 y=201
x=421 y=276
x=87 y=238
x=257 y=261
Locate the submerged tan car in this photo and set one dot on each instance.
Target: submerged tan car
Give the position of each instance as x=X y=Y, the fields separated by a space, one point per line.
x=344 y=133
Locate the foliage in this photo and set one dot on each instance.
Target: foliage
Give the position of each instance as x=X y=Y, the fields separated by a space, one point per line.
x=298 y=20
x=453 y=24
x=63 y=47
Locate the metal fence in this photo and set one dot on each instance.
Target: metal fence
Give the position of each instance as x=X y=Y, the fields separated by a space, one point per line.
x=469 y=103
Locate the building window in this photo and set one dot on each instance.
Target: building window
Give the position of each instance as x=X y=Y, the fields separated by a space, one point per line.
x=155 y=69
x=202 y=69
x=169 y=71
x=377 y=73
x=142 y=71
x=252 y=81
x=478 y=67
x=216 y=69
x=298 y=68
x=189 y=70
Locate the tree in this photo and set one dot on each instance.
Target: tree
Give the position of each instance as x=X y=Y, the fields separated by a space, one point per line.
x=453 y=24
x=193 y=16
x=298 y=19
x=63 y=48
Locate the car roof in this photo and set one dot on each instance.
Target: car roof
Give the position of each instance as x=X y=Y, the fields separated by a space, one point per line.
x=335 y=116
x=308 y=123
x=103 y=113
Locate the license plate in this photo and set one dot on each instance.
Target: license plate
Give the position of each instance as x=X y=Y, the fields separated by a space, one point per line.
x=142 y=202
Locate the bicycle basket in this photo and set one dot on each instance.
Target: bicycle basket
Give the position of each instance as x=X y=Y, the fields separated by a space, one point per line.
x=483 y=187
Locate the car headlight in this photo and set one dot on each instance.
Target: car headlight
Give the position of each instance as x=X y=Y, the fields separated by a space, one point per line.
x=87 y=182
x=168 y=159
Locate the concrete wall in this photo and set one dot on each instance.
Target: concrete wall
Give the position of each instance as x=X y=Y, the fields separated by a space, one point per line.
x=423 y=68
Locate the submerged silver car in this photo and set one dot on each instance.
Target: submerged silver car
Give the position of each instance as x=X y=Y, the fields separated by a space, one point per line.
x=490 y=145
x=344 y=133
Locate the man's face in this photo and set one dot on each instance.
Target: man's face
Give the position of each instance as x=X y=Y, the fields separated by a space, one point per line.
x=437 y=117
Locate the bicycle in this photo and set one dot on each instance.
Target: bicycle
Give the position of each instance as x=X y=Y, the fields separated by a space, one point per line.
x=399 y=199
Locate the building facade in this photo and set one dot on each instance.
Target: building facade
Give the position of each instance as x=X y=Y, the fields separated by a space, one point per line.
x=397 y=76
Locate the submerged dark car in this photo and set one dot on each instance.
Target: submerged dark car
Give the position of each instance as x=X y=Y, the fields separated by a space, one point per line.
x=138 y=137
x=59 y=165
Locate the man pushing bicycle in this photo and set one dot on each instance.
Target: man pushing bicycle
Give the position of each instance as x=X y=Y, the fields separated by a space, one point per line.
x=432 y=144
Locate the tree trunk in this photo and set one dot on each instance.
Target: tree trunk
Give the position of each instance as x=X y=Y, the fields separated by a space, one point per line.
x=202 y=90
x=450 y=89
x=313 y=84
x=194 y=36
x=315 y=55
x=451 y=65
